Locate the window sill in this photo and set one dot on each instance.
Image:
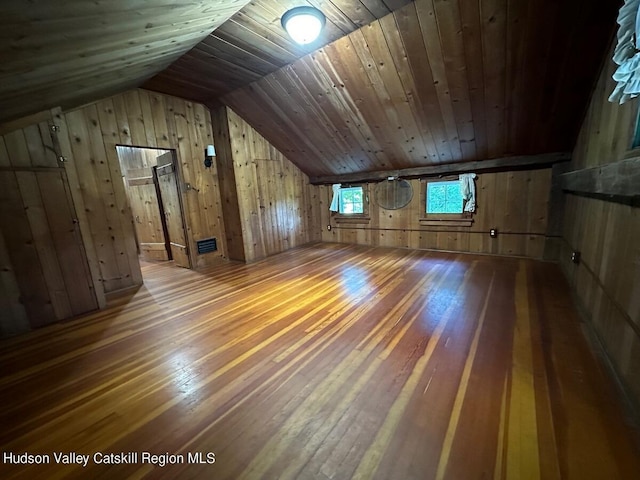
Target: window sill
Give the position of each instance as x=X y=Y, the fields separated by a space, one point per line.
x=446 y=222
x=352 y=219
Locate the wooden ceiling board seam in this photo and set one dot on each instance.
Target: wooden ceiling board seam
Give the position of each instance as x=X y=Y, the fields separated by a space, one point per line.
x=335 y=15
x=295 y=135
x=450 y=33
x=235 y=33
x=223 y=49
x=403 y=69
x=385 y=67
x=377 y=8
x=75 y=68
x=114 y=24
x=516 y=19
x=310 y=73
x=277 y=36
x=430 y=32
x=212 y=66
x=395 y=120
x=309 y=131
x=346 y=62
x=100 y=83
x=410 y=33
x=472 y=41
x=80 y=9
x=343 y=149
x=83 y=50
x=346 y=105
x=192 y=91
x=494 y=50
x=354 y=10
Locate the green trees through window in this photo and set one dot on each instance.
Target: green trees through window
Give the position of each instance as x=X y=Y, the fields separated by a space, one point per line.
x=351 y=200
x=444 y=197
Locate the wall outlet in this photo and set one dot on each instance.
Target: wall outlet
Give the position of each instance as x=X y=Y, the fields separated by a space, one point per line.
x=493 y=233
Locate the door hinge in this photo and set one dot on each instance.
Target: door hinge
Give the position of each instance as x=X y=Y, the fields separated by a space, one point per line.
x=62 y=159
x=54 y=128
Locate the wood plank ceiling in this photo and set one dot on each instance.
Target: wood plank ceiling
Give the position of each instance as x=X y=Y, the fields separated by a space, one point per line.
x=437 y=81
x=65 y=53
x=391 y=84
x=253 y=44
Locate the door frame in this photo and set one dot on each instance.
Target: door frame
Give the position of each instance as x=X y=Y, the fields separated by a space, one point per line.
x=175 y=159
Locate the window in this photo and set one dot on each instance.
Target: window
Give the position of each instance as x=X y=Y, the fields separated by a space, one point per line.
x=443 y=204
x=351 y=204
x=351 y=201
x=444 y=197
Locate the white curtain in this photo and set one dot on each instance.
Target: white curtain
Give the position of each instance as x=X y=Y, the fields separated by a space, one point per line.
x=626 y=54
x=468 y=191
x=335 y=202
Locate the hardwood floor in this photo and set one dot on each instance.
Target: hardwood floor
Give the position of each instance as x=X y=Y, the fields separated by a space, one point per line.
x=327 y=361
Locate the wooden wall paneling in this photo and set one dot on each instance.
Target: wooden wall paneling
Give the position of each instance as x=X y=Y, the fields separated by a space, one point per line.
x=17 y=149
x=14 y=320
x=158 y=111
x=136 y=123
x=112 y=279
x=608 y=276
x=81 y=211
x=40 y=146
x=271 y=193
x=114 y=198
x=504 y=202
x=147 y=118
x=20 y=244
x=48 y=254
x=68 y=244
x=227 y=181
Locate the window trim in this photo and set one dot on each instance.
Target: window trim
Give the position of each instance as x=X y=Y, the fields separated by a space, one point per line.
x=355 y=217
x=464 y=219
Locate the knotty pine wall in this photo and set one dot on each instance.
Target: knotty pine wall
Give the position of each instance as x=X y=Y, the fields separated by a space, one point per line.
x=145 y=119
x=45 y=271
x=515 y=203
x=269 y=205
x=607 y=281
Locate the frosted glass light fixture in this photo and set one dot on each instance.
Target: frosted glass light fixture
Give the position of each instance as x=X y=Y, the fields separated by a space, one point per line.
x=303 y=24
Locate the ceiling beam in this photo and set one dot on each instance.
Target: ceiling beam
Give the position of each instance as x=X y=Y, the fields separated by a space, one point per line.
x=494 y=164
x=617 y=180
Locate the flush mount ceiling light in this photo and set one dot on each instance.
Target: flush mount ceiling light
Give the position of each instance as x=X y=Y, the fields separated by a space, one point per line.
x=303 y=24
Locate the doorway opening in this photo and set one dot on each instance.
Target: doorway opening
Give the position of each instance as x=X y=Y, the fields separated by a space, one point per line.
x=151 y=182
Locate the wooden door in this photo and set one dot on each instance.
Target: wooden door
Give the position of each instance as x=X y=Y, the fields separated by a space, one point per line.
x=170 y=200
x=45 y=275
x=145 y=208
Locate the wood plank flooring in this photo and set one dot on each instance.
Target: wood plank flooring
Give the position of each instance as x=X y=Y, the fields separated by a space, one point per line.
x=324 y=362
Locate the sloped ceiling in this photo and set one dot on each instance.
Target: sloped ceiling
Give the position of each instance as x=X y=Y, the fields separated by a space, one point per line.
x=437 y=81
x=253 y=43
x=412 y=84
x=67 y=52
